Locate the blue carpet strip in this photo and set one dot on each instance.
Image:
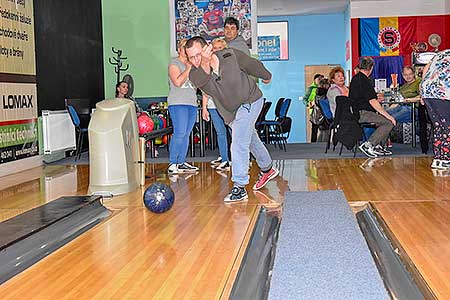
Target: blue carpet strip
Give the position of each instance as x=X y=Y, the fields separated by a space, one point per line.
x=321 y=253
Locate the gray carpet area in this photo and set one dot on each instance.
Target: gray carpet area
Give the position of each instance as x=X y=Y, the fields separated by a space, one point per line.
x=293 y=151
x=321 y=253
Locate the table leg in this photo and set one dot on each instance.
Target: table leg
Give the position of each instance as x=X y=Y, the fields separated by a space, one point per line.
x=202 y=136
x=142 y=161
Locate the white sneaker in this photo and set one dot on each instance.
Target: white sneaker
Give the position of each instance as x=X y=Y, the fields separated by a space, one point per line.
x=191 y=166
x=186 y=168
x=368 y=150
x=440 y=164
x=173 y=169
x=217 y=161
x=224 y=166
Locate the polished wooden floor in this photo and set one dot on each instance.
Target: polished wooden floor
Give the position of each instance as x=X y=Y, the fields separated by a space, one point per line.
x=194 y=250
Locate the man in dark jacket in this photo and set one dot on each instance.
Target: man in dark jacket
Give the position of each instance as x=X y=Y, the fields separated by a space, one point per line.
x=224 y=76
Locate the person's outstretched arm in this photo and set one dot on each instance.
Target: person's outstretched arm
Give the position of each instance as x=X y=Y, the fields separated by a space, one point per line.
x=252 y=66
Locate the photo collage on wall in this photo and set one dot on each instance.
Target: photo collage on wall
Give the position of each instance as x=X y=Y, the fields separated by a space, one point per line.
x=206 y=18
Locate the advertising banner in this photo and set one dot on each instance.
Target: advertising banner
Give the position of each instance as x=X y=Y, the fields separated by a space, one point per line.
x=18 y=98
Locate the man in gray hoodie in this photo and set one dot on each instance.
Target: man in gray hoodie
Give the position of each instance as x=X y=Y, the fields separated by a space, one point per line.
x=235 y=41
x=224 y=76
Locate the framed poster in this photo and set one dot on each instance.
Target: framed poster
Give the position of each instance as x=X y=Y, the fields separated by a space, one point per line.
x=206 y=18
x=273 y=42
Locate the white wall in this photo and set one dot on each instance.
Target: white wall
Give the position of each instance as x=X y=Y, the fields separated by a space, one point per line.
x=388 y=8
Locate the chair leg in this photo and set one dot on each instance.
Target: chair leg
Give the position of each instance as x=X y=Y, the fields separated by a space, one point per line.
x=328 y=141
x=354 y=148
x=340 y=151
x=77 y=150
x=81 y=145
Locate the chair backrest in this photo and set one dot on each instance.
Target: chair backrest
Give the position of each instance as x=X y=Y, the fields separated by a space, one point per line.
x=278 y=107
x=82 y=105
x=325 y=107
x=284 y=108
x=73 y=115
x=264 y=111
x=344 y=111
x=286 y=124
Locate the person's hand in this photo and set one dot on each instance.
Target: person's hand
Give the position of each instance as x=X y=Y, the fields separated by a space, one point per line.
x=380 y=97
x=207 y=52
x=422 y=102
x=392 y=119
x=205 y=114
x=266 y=81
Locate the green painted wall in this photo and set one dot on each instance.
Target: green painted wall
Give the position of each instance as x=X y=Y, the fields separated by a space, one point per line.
x=141 y=29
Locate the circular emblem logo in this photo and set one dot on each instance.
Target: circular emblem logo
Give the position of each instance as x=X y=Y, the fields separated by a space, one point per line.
x=389 y=38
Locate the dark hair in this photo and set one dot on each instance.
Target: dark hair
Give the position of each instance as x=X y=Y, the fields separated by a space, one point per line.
x=317 y=76
x=117 y=86
x=193 y=40
x=231 y=21
x=324 y=83
x=365 y=63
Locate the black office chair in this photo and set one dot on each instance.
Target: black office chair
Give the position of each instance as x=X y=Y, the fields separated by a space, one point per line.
x=80 y=131
x=346 y=129
x=277 y=131
x=259 y=125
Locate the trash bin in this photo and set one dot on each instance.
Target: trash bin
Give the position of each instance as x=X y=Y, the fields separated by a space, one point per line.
x=113 y=148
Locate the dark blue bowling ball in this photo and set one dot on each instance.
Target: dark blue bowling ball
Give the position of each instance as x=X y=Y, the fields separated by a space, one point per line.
x=159 y=197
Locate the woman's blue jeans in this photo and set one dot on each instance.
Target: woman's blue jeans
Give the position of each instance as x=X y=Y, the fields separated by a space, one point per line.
x=221 y=131
x=183 y=120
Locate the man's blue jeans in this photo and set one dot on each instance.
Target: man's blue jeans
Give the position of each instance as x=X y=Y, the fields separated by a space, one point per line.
x=401 y=113
x=245 y=140
x=183 y=120
x=221 y=131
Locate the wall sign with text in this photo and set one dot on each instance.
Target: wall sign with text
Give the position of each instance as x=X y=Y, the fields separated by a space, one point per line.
x=273 y=40
x=18 y=97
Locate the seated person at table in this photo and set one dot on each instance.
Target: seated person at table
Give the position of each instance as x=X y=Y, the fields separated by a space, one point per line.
x=410 y=91
x=365 y=101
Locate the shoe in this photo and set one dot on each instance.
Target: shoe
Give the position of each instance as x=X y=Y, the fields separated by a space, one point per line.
x=186 y=168
x=387 y=151
x=224 y=166
x=172 y=169
x=238 y=193
x=368 y=149
x=440 y=164
x=191 y=166
x=217 y=161
x=436 y=164
x=264 y=177
x=380 y=150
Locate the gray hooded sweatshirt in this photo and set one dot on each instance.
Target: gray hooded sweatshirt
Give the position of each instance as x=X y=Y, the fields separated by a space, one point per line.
x=239 y=44
x=232 y=87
